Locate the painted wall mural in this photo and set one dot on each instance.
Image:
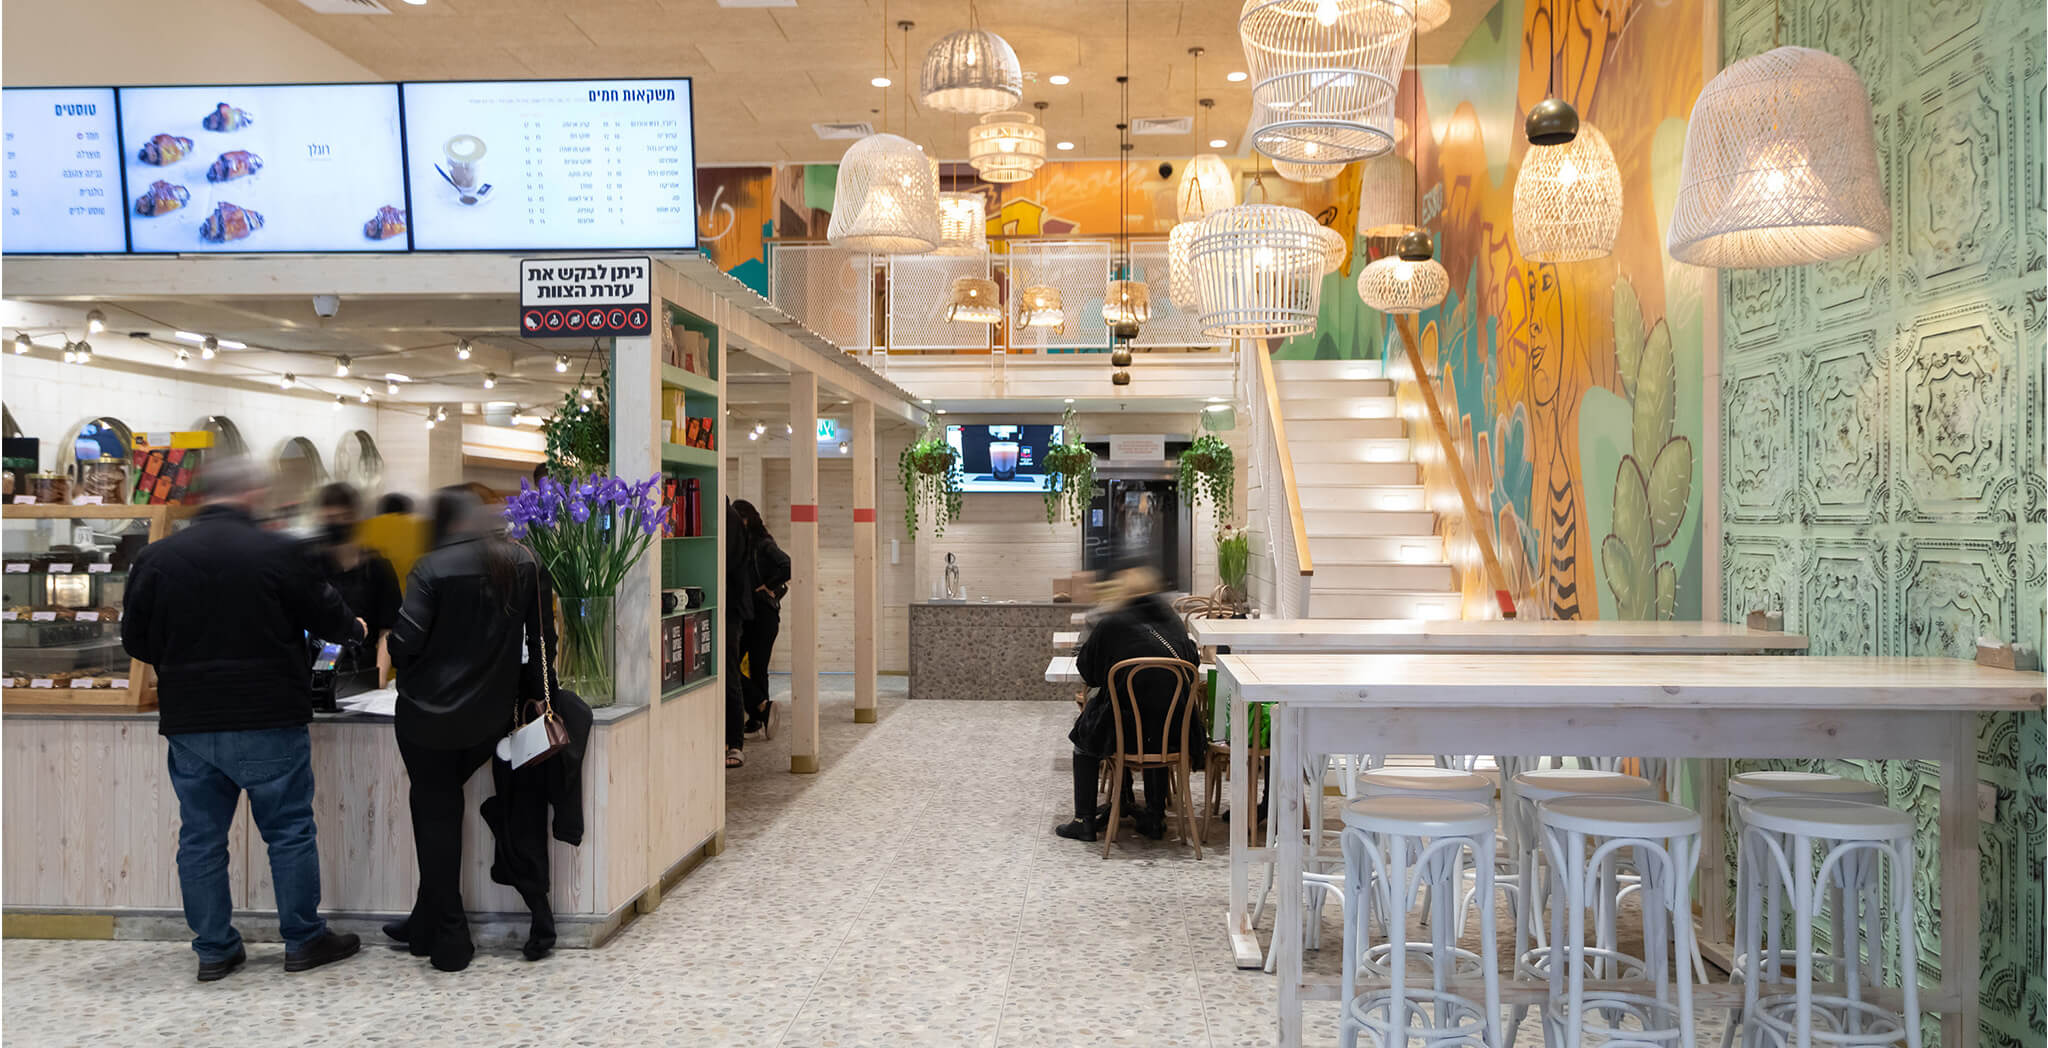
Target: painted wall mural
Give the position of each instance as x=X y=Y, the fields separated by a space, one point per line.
x=1882 y=482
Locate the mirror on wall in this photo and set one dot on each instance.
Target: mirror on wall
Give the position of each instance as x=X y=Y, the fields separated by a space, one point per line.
x=299 y=475
x=357 y=462
x=227 y=437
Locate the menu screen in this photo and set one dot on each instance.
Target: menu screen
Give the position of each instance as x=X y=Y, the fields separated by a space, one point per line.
x=551 y=164
x=63 y=172
x=315 y=167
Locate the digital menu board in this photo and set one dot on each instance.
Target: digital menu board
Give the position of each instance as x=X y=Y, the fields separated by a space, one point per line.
x=63 y=172
x=539 y=165
x=310 y=167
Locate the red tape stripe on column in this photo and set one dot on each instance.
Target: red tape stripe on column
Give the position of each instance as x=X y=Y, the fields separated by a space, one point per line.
x=799 y=514
x=863 y=516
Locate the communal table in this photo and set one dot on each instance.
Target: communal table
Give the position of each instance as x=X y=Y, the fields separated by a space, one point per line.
x=1421 y=636
x=1674 y=706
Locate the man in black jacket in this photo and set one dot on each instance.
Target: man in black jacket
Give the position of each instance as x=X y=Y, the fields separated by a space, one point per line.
x=222 y=610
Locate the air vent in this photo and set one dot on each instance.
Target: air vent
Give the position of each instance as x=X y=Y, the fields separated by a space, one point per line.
x=1163 y=125
x=346 y=7
x=853 y=129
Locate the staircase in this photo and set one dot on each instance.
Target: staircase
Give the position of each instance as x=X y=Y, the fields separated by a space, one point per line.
x=1371 y=533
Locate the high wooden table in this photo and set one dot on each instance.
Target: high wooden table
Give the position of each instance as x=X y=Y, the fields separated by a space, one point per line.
x=1424 y=636
x=1637 y=705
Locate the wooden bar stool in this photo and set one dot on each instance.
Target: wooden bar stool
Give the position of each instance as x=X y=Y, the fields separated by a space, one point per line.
x=1814 y=849
x=1394 y=847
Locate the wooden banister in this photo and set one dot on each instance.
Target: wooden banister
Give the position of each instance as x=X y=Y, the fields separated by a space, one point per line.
x=1287 y=485
x=1481 y=523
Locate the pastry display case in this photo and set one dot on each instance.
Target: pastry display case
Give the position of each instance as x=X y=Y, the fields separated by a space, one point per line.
x=64 y=577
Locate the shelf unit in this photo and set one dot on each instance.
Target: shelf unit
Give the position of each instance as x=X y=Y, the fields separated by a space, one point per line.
x=693 y=560
x=139 y=692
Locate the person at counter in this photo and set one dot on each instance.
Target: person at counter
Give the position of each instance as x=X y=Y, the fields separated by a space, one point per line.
x=1140 y=625
x=468 y=649
x=396 y=533
x=222 y=610
x=360 y=574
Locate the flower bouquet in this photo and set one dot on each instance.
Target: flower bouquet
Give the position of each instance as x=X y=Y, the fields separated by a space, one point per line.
x=588 y=533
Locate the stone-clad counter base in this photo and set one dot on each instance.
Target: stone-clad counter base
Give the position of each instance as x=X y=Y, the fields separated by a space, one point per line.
x=986 y=651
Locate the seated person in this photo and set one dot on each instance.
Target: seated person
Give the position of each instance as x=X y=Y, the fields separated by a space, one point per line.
x=1140 y=624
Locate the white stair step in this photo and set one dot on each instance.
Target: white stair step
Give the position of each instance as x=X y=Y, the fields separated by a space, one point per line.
x=1325 y=524
x=1301 y=431
x=1322 y=370
x=1309 y=389
x=1310 y=409
x=1377 y=449
x=1392 y=575
x=1383 y=498
x=1381 y=604
x=1366 y=549
x=1318 y=474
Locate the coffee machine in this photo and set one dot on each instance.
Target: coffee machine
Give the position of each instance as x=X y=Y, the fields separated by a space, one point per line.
x=1138 y=511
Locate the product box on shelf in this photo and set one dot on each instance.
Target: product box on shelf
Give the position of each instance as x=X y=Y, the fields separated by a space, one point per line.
x=674 y=649
x=700 y=433
x=697 y=663
x=689 y=350
x=685 y=508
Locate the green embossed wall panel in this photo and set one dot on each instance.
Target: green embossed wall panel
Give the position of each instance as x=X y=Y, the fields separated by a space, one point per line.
x=1882 y=416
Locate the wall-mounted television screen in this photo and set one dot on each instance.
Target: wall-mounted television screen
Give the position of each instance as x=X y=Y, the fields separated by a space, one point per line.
x=1002 y=458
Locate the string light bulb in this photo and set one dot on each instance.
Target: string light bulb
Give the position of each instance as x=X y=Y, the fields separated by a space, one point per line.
x=287 y=381
x=21 y=344
x=391 y=387
x=586 y=392
x=490 y=380
x=184 y=358
x=365 y=395
x=441 y=413
x=341 y=367
x=208 y=346
x=561 y=363
x=430 y=422
x=462 y=349
x=95 y=322
x=70 y=352
x=84 y=351
x=338 y=399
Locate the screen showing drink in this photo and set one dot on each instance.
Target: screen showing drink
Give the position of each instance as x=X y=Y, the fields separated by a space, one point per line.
x=314 y=167
x=63 y=172
x=1002 y=458
x=552 y=164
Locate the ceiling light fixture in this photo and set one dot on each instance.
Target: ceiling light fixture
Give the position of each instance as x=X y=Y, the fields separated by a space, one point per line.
x=1063 y=145
x=208 y=346
x=879 y=81
x=287 y=380
x=1237 y=77
x=441 y=413
x=341 y=367
x=1058 y=80
x=95 y=322
x=193 y=337
x=490 y=380
x=1126 y=301
x=84 y=351
x=1258 y=271
x=22 y=344
x=561 y=363
x=1322 y=85
x=462 y=349
x=338 y=399
x=184 y=358
x=1219 y=143
x=390 y=387
x=430 y=422
x=70 y=352
x=1567 y=200
x=586 y=392
x=1411 y=279
x=971 y=71
x=1006 y=147
x=364 y=396
x=963 y=227
x=788 y=430
x=887 y=199
x=228 y=343
x=1041 y=306
x=974 y=300
x=753 y=434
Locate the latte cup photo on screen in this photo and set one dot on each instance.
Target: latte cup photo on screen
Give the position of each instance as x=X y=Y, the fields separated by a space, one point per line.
x=465 y=154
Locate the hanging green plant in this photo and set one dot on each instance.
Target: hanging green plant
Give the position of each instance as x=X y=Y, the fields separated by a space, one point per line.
x=579 y=436
x=1208 y=470
x=930 y=471
x=1070 y=474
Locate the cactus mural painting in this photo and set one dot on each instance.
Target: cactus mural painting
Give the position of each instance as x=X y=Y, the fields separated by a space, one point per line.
x=1654 y=481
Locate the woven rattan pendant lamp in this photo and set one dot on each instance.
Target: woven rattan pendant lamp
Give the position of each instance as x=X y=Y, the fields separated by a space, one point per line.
x=1384 y=200
x=1006 y=147
x=1322 y=75
x=1206 y=185
x=1258 y=271
x=1306 y=174
x=974 y=300
x=963 y=228
x=886 y=196
x=1126 y=302
x=1567 y=201
x=1431 y=15
x=1411 y=279
x=1780 y=166
x=971 y=71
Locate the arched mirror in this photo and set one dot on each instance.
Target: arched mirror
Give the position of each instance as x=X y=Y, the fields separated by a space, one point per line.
x=227 y=438
x=299 y=475
x=97 y=458
x=358 y=462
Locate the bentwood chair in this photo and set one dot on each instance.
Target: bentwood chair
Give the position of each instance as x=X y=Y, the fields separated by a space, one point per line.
x=1178 y=721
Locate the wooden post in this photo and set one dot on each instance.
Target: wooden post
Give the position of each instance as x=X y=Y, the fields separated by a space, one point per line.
x=636 y=633
x=800 y=610
x=867 y=610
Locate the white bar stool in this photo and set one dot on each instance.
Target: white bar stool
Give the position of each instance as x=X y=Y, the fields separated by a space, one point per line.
x=1427 y=782
x=1665 y=841
x=1393 y=846
x=1778 y=847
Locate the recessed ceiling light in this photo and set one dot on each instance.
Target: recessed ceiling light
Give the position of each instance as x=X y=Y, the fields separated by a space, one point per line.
x=1070 y=400
x=1238 y=77
x=1057 y=80
x=417 y=3
x=1218 y=143
x=880 y=81
x=1066 y=145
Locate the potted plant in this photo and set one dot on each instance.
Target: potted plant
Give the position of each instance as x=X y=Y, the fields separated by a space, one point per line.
x=930 y=471
x=1069 y=473
x=588 y=531
x=1208 y=470
x=579 y=436
x=1233 y=565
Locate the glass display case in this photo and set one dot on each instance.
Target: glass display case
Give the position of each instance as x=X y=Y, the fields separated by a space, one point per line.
x=64 y=574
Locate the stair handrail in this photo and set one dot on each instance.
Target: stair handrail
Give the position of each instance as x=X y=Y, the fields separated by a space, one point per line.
x=1481 y=523
x=1276 y=427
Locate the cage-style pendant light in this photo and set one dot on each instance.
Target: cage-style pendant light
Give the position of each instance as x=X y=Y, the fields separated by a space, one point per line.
x=1006 y=147
x=1306 y=174
x=1205 y=186
x=886 y=200
x=1780 y=166
x=1334 y=248
x=974 y=300
x=963 y=229
x=1041 y=306
x=1385 y=196
x=1323 y=73
x=1395 y=285
x=1568 y=200
x=1258 y=271
x=971 y=71
x=1180 y=272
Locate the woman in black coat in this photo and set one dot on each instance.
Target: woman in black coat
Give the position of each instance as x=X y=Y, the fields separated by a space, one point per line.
x=757 y=639
x=1142 y=626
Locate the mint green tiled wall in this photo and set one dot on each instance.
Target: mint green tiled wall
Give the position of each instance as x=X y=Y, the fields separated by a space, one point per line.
x=1882 y=417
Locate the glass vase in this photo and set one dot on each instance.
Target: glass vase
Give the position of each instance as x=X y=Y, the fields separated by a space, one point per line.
x=585 y=663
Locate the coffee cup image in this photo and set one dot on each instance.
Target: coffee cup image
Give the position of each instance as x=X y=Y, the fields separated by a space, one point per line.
x=464 y=154
x=1002 y=459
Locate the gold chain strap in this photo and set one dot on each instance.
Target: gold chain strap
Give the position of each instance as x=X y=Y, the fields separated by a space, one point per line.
x=540 y=640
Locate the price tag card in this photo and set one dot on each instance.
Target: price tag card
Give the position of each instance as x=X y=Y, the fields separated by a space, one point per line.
x=118 y=684
x=15 y=567
x=91 y=500
x=63 y=569
x=8 y=616
x=24 y=500
x=88 y=616
x=42 y=682
x=42 y=616
x=101 y=568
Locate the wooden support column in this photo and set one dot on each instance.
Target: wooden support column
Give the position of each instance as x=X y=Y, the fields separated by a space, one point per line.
x=867 y=608
x=800 y=610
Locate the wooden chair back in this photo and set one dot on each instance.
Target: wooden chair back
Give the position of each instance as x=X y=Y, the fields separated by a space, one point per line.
x=1178 y=716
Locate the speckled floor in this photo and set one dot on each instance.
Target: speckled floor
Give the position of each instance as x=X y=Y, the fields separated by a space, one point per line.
x=909 y=894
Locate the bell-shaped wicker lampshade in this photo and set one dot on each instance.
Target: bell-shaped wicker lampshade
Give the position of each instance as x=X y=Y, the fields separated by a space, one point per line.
x=1431 y=14
x=1041 y=306
x=1126 y=302
x=1205 y=185
x=1334 y=248
x=962 y=228
x=971 y=71
x=1258 y=271
x=1323 y=75
x=974 y=300
x=886 y=200
x=1006 y=147
x=1780 y=166
x=1568 y=200
x=1386 y=196
x=1396 y=285
x=1180 y=270
x=1307 y=174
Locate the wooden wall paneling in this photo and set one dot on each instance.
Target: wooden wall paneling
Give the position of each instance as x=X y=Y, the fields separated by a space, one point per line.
x=617 y=806
x=364 y=824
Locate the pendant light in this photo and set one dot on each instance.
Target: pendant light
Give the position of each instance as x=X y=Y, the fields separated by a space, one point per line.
x=963 y=228
x=1780 y=166
x=1411 y=279
x=1258 y=272
x=1323 y=75
x=1567 y=203
x=1180 y=269
x=1205 y=184
x=886 y=197
x=1006 y=147
x=1334 y=248
x=974 y=300
x=1306 y=174
x=1383 y=196
x=1126 y=303
x=1041 y=306
x=1430 y=15
x=971 y=71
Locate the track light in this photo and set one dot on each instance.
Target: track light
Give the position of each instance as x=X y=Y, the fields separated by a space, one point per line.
x=490 y=380
x=462 y=349
x=341 y=367
x=208 y=346
x=95 y=322
x=288 y=381
x=561 y=363
x=21 y=344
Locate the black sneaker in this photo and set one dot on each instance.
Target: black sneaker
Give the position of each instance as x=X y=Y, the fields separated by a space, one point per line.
x=399 y=931
x=214 y=971
x=327 y=949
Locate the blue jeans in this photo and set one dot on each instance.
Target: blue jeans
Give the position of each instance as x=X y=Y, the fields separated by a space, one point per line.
x=209 y=771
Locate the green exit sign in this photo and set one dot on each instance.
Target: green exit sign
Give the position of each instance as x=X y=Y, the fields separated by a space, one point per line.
x=828 y=429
